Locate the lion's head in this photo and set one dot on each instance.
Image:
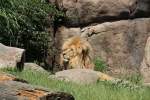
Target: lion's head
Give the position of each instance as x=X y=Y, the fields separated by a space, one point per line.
x=76 y=53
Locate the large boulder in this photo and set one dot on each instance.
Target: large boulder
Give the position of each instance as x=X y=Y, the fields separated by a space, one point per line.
x=11 y=57
x=83 y=12
x=120 y=44
x=81 y=76
x=34 y=67
x=12 y=88
x=145 y=65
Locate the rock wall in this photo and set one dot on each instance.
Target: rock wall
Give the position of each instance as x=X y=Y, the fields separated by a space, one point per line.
x=83 y=12
x=119 y=43
x=117 y=29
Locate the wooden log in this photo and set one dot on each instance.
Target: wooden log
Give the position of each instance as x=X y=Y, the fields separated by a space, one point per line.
x=12 y=88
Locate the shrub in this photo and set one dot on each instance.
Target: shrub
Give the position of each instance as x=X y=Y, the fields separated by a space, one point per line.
x=24 y=23
x=100 y=65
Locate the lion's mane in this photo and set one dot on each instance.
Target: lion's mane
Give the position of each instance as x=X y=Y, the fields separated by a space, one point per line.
x=76 y=53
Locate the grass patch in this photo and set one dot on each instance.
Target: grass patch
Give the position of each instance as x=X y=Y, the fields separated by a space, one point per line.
x=98 y=91
x=100 y=65
x=135 y=78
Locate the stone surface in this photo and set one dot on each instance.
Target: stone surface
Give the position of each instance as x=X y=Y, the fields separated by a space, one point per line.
x=142 y=9
x=34 y=67
x=145 y=65
x=120 y=44
x=64 y=33
x=11 y=89
x=84 y=12
x=11 y=57
x=81 y=76
x=9 y=77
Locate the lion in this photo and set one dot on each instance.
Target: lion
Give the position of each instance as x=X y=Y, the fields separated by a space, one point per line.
x=76 y=53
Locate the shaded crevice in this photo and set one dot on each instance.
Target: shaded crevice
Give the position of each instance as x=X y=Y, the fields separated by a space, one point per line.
x=51 y=62
x=20 y=65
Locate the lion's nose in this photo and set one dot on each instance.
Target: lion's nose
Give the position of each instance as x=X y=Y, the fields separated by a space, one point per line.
x=64 y=54
x=66 y=61
x=66 y=58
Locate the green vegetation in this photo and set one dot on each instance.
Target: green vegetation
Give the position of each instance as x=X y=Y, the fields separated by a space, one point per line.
x=100 y=65
x=98 y=91
x=135 y=78
x=24 y=24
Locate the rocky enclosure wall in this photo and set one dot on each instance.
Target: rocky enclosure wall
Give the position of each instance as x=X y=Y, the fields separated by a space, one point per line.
x=117 y=29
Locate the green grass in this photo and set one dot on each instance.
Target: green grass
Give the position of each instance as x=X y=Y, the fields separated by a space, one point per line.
x=135 y=78
x=98 y=91
x=100 y=65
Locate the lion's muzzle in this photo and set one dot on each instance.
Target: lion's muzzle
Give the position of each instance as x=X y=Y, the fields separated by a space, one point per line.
x=65 y=63
x=66 y=58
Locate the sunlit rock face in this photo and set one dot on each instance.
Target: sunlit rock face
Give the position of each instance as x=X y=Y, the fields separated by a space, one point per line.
x=11 y=57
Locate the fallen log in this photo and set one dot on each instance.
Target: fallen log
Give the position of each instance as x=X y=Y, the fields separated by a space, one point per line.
x=12 y=88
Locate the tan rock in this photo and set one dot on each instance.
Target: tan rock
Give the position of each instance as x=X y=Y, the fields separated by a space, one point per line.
x=34 y=67
x=120 y=44
x=12 y=88
x=11 y=57
x=145 y=65
x=82 y=12
x=82 y=76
